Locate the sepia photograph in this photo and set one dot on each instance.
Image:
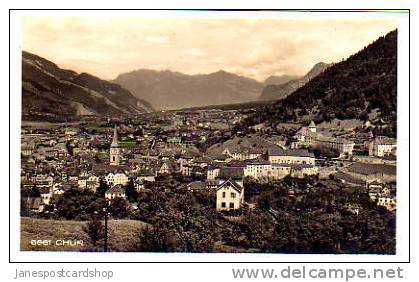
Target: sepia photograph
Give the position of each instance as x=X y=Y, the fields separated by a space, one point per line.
x=210 y=132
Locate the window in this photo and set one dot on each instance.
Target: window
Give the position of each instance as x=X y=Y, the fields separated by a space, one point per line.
x=223 y=204
x=231 y=205
x=224 y=194
x=233 y=195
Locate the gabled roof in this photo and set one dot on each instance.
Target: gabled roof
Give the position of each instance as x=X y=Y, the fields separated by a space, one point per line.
x=312 y=124
x=230 y=183
x=117 y=189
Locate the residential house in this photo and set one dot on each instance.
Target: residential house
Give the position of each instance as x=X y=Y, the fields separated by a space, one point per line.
x=229 y=196
x=116 y=191
x=116 y=178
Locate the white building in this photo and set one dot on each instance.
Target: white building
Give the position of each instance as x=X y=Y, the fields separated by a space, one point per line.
x=381 y=147
x=292 y=156
x=116 y=178
x=389 y=202
x=230 y=196
x=212 y=172
x=258 y=169
x=116 y=191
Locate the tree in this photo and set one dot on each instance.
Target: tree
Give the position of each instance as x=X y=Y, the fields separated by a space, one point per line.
x=103 y=187
x=95 y=230
x=131 y=192
x=325 y=152
x=78 y=204
x=119 y=208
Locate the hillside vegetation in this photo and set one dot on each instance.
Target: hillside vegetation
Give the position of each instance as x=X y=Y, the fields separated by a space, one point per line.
x=351 y=89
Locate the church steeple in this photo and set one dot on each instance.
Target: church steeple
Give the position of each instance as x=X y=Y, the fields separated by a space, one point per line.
x=115 y=138
x=115 y=150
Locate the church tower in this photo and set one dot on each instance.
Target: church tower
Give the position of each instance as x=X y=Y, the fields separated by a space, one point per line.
x=115 y=150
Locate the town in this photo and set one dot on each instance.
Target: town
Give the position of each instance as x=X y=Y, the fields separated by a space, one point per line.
x=198 y=152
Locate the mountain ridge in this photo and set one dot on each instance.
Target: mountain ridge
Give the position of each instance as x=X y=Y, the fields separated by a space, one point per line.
x=279 y=91
x=168 y=90
x=49 y=92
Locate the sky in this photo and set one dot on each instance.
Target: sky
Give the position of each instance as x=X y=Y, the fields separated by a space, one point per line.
x=256 y=48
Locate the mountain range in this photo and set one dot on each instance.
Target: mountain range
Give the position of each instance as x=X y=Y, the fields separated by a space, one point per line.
x=173 y=90
x=52 y=93
x=281 y=87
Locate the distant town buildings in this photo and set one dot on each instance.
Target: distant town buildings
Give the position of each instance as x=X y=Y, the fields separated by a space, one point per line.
x=309 y=136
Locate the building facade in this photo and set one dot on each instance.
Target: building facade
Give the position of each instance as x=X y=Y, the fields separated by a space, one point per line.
x=230 y=196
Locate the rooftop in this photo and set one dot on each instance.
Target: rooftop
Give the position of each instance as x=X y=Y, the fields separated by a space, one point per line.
x=292 y=152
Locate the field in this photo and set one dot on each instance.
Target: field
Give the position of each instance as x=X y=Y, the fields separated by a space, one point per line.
x=122 y=234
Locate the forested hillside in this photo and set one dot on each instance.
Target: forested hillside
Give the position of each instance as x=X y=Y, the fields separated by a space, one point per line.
x=353 y=88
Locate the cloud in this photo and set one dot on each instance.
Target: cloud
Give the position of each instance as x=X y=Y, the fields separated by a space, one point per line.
x=257 y=48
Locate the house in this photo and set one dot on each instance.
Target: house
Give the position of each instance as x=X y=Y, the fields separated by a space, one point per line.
x=261 y=127
x=212 y=172
x=46 y=194
x=150 y=177
x=57 y=188
x=116 y=178
x=303 y=170
x=26 y=150
x=92 y=182
x=116 y=191
x=242 y=154
x=186 y=170
x=374 y=189
x=387 y=201
x=166 y=168
x=382 y=146
x=229 y=196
